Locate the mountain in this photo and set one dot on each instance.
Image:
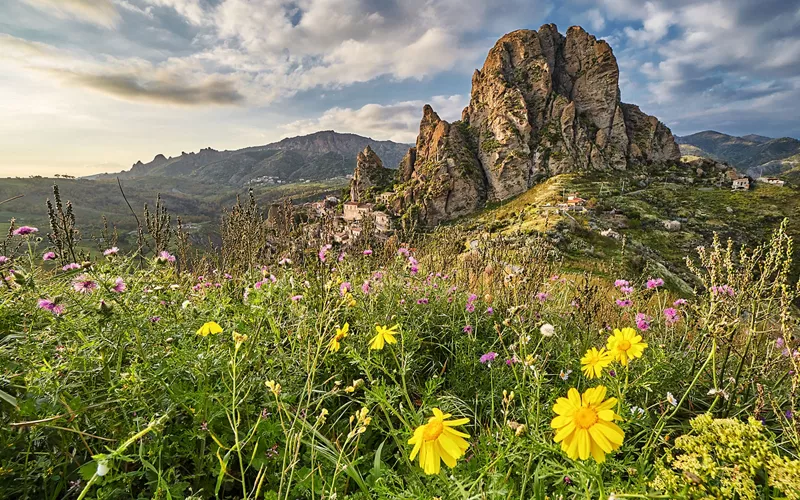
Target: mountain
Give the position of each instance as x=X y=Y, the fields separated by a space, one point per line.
x=318 y=156
x=755 y=154
x=543 y=104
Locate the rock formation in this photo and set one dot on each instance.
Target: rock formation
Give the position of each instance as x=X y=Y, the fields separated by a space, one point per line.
x=370 y=176
x=543 y=104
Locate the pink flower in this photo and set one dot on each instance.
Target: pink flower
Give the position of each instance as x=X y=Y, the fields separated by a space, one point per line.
x=722 y=290
x=488 y=357
x=365 y=287
x=48 y=305
x=627 y=290
x=643 y=321
x=296 y=298
x=403 y=251
x=672 y=316
x=166 y=256
x=624 y=302
x=472 y=298
x=284 y=261
x=341 y=257
x=470 y=307
x=542 y=296
x=83 y=284
x=4 y=259
x=679 y=302
x=512 y=360
x=111 y=251
x=49 y=256
x=654 y=283
x=119 y=286
x=323 y=251
x=414 y=269
x=25 y=231
x=71 y=267
x=368 y=252
x=422 y=301
x=468 y=329
x=344 y=288
x=489 y=311
x=554 y=277
x=619 y=283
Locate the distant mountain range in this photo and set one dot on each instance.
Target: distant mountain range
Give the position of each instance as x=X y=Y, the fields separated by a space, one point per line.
x=318 y=156
x=756 y=155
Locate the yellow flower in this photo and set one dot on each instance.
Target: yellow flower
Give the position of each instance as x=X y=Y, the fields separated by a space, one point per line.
x=274 y=387
x=625 y=345
x=341 y=333
x=384 y=336
x=239 y=339
x=437 y=441
x=585 y=425
x=593 y=362
x=210 y=327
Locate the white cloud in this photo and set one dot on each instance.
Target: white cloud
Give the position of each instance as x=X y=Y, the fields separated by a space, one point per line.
x=99 y=12
x=397 y=122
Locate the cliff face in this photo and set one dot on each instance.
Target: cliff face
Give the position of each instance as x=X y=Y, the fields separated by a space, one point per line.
x=543 y=104
x=369 y=177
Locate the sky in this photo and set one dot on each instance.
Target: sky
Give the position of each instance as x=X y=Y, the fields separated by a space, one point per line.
x=89 y=86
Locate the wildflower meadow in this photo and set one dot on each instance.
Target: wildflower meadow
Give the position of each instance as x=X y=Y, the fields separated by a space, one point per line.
x=452 y=367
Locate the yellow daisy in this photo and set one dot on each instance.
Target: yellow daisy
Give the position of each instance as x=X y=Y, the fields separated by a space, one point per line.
x=437 y=441
x=585 y=424
x=593 y=362
x=625 y=345
x=210 y=327
x=384 y=336
x=341 y=333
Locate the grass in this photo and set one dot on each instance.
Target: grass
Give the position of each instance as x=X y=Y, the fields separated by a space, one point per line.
x=124 y=394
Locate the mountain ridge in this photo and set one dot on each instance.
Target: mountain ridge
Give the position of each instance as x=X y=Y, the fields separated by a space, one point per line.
x=754 y=154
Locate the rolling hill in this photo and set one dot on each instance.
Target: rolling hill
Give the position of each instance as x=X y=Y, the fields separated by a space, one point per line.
x=316 y=157
x=755 y=154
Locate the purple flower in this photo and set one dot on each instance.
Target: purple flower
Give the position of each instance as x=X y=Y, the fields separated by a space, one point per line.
x=643 y=321
x=627 y=290
x=323 y=251
x=155 y=319
x=422 y=301
x=512 y=360
x=414 y=269
x=624 y=302
x=468 y=329
x=365 y=287
x=672 y=316
x=25 y=231
x=227 y=276
x=489 y=311
x=488 y=357
x=84 y=284
x=166 y=256
x=341 y=257
x=542 y=296
x=654 y=283
x=619 y=283
x=789 y=414
x=259 y=284
x=679 y=302
x=119 y=286
x=4 y=259
x=51 y=306
x=779 y=343
x=111 y=251
x=49 y=256
x=296 y=298
x=722 y=290
x=367 y=252
x=403 y=251
x=470 y=307
x=344 y=288
x=613 y=373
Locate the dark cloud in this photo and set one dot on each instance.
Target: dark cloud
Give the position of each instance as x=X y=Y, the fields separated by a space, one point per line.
x=134 y=87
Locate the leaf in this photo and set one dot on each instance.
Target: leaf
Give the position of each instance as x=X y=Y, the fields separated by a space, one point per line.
x=8 y=398
x=88 y=469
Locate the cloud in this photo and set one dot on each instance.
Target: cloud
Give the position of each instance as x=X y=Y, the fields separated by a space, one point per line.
x=397 y=122
x=99 y=12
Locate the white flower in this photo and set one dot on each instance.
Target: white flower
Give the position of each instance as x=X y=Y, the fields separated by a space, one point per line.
x=636 y=409
x=547 y=330
x=671 y=399
x=186 y=303
x=102 y=468
x=721 y=392
x=564 y=374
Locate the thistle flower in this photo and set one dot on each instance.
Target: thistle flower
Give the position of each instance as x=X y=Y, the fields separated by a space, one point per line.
x=296 y=298
x=84 y=284
x=71 y=267
x=111 y=251
x=672 y=316
x=679 y=302
x=119 y=286
x=49 y=256
x=367 y=252
x=467 y=329
x=165 y=256
x=627 y=290
x=624 y=302
x=619 y=283
x=437 y=441
x=4 y=259
x=654 y=283
x=25 y=231
x=488 y=357
x=585 y=424
x=542 y=296
x=643 y=321
x=385 y=336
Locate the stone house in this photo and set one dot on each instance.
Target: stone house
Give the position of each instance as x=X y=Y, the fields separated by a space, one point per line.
x=741 y=184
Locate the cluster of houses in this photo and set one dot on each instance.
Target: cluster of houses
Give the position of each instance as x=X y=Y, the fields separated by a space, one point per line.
x=573 y=203
x=348 y=225
x=743 y=183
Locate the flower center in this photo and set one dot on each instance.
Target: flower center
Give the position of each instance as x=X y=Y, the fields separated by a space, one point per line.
x=624 y=345
x=585 y=418
x=433 y=430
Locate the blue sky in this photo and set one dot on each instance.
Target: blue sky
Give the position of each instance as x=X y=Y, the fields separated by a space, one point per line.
x=94 y=85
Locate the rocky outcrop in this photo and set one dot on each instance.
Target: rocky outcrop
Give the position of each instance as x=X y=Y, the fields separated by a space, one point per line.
x=442 y=178
x=370 y=177
x=542 y=104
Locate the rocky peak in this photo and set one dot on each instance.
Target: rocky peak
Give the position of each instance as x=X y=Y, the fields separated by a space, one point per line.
x=370 y=176
x=542 y=104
